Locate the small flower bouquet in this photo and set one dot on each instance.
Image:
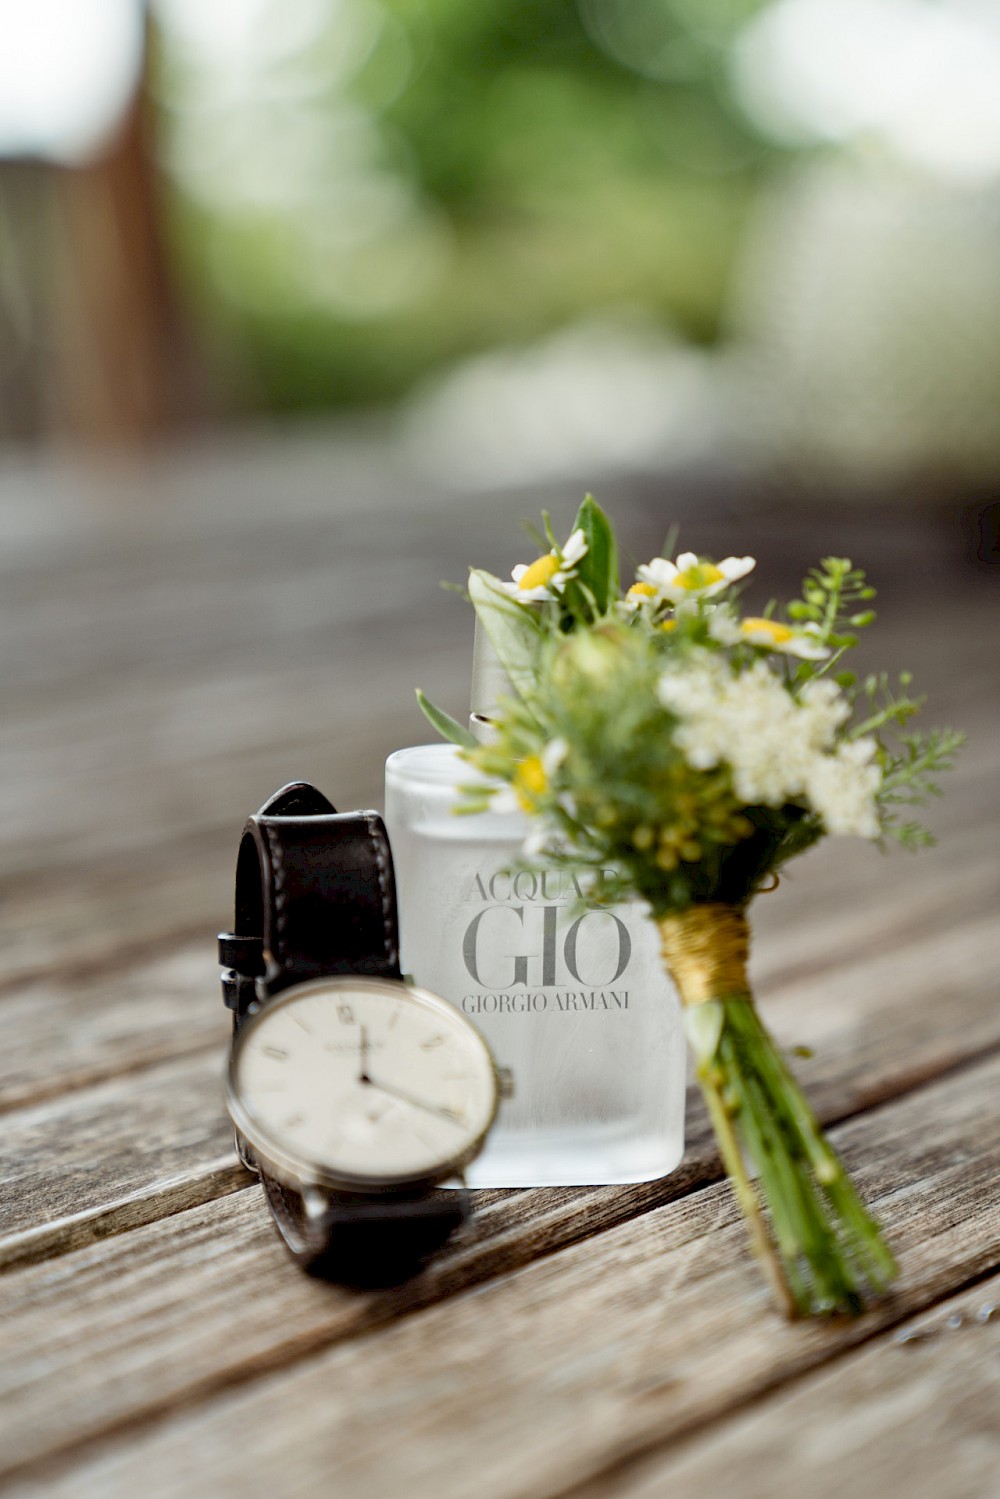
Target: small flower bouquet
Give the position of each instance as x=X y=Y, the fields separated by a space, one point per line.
x=693 y=751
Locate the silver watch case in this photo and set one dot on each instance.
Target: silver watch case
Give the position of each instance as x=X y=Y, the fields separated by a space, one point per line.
x=294 y=1170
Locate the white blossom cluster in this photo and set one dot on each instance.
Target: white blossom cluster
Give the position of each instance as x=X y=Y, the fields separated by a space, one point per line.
x=778 y=748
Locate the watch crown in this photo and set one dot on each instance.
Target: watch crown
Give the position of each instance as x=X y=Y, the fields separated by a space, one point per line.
x=505 y=1082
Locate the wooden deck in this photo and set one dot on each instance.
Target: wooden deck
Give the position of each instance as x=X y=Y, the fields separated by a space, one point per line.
x=178 y=640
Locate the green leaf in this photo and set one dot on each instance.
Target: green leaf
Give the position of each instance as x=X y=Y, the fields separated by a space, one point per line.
x=511 y=628
x=447 y=727
x=598 y=569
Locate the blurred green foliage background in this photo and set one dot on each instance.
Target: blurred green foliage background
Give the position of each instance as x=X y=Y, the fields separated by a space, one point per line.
x=364 y=191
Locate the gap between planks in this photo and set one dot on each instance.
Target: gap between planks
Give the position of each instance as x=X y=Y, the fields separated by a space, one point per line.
x=631 y=1339
x=876 y=1419
x=142 y=903
x=72 y=1030
x=884 y=1036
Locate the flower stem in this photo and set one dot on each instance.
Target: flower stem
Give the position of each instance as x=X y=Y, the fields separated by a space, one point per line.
x=820 y=1248
x=863 y=1234
x=830 y=1249
x=732 y=1159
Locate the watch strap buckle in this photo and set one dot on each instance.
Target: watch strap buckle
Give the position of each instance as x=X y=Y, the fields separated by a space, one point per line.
x=239 y=993
x=245 y=954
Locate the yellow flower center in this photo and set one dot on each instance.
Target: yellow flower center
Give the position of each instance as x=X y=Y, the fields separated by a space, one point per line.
x=540 y=573
x=700 y=575
x=641 y=591
x=776 y=634
x=530 y=780
x=669 y=624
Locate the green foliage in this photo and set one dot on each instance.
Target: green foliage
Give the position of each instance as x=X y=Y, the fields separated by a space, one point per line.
x=593 y=750
x=599 y=569
x=432 y=177
x=830 y=594
x=910 y=762
x=639 y=819
x=448 y=727
x=829 y=1251
x=909 y=779
x=634 y=726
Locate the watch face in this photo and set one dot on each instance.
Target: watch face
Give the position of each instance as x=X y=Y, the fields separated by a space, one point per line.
x=362 y=1081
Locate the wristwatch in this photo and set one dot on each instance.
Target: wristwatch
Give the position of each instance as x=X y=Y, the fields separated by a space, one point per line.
x=354 y=1095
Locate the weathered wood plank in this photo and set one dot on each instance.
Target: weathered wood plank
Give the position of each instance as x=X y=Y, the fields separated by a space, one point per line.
x=79 y=787
x=77 y=774
x=178 y=600
x=530 y=1385
x=66 y=1030
x=142 y=898
x=72 y=1031
x=844 y=900
x=879 y=1025
x=138 y=743
x=129 y=838
x=173 y=645
x=916 y=1412
x=170 y=597
x=102 y=1159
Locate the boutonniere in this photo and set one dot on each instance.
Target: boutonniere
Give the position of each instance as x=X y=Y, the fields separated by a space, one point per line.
x=671 y=749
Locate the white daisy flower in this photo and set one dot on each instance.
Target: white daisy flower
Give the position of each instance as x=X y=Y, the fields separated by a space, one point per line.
x=691 y=578
x=553 y=755
x=547 y=576
x=638 y=594
x=773 y=636
x=723 y=625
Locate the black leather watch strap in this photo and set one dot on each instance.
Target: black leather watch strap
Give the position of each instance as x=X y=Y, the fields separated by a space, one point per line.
x=364 y=1242
x=315 y=895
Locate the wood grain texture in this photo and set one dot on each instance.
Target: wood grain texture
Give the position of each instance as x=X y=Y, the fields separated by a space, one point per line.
x=590 y=1355
x=879 y=1026
x=174 y=644
x=65 y=1032
x=178 y=638
x=68 y=1028
x=914 y=1413
x=879 y=1029
x=141 y=901
x=105 y=1158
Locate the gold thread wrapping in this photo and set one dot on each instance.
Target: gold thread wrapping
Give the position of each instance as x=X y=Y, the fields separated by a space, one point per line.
x=705 y=949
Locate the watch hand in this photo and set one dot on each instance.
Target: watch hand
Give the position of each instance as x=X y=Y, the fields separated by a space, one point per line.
x=429 y=1108
x=363 y=1074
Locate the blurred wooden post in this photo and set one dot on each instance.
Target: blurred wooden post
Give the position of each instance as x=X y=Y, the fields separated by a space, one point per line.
x=25 y=200
x=124 y=370
x=92 y=337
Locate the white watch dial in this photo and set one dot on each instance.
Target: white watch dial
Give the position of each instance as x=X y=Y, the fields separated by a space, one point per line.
x=364 y=1079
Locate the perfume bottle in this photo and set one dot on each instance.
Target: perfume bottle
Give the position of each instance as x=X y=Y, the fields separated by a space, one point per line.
x=572 y=998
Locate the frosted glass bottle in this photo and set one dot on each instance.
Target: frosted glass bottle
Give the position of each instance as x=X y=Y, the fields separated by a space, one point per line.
x=575 y=1003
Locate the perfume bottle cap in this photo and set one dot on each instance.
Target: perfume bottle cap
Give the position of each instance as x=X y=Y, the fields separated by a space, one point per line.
x=489 y=684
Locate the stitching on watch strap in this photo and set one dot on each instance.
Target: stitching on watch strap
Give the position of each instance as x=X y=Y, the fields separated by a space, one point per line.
x=280 y=894
x=381 y=872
